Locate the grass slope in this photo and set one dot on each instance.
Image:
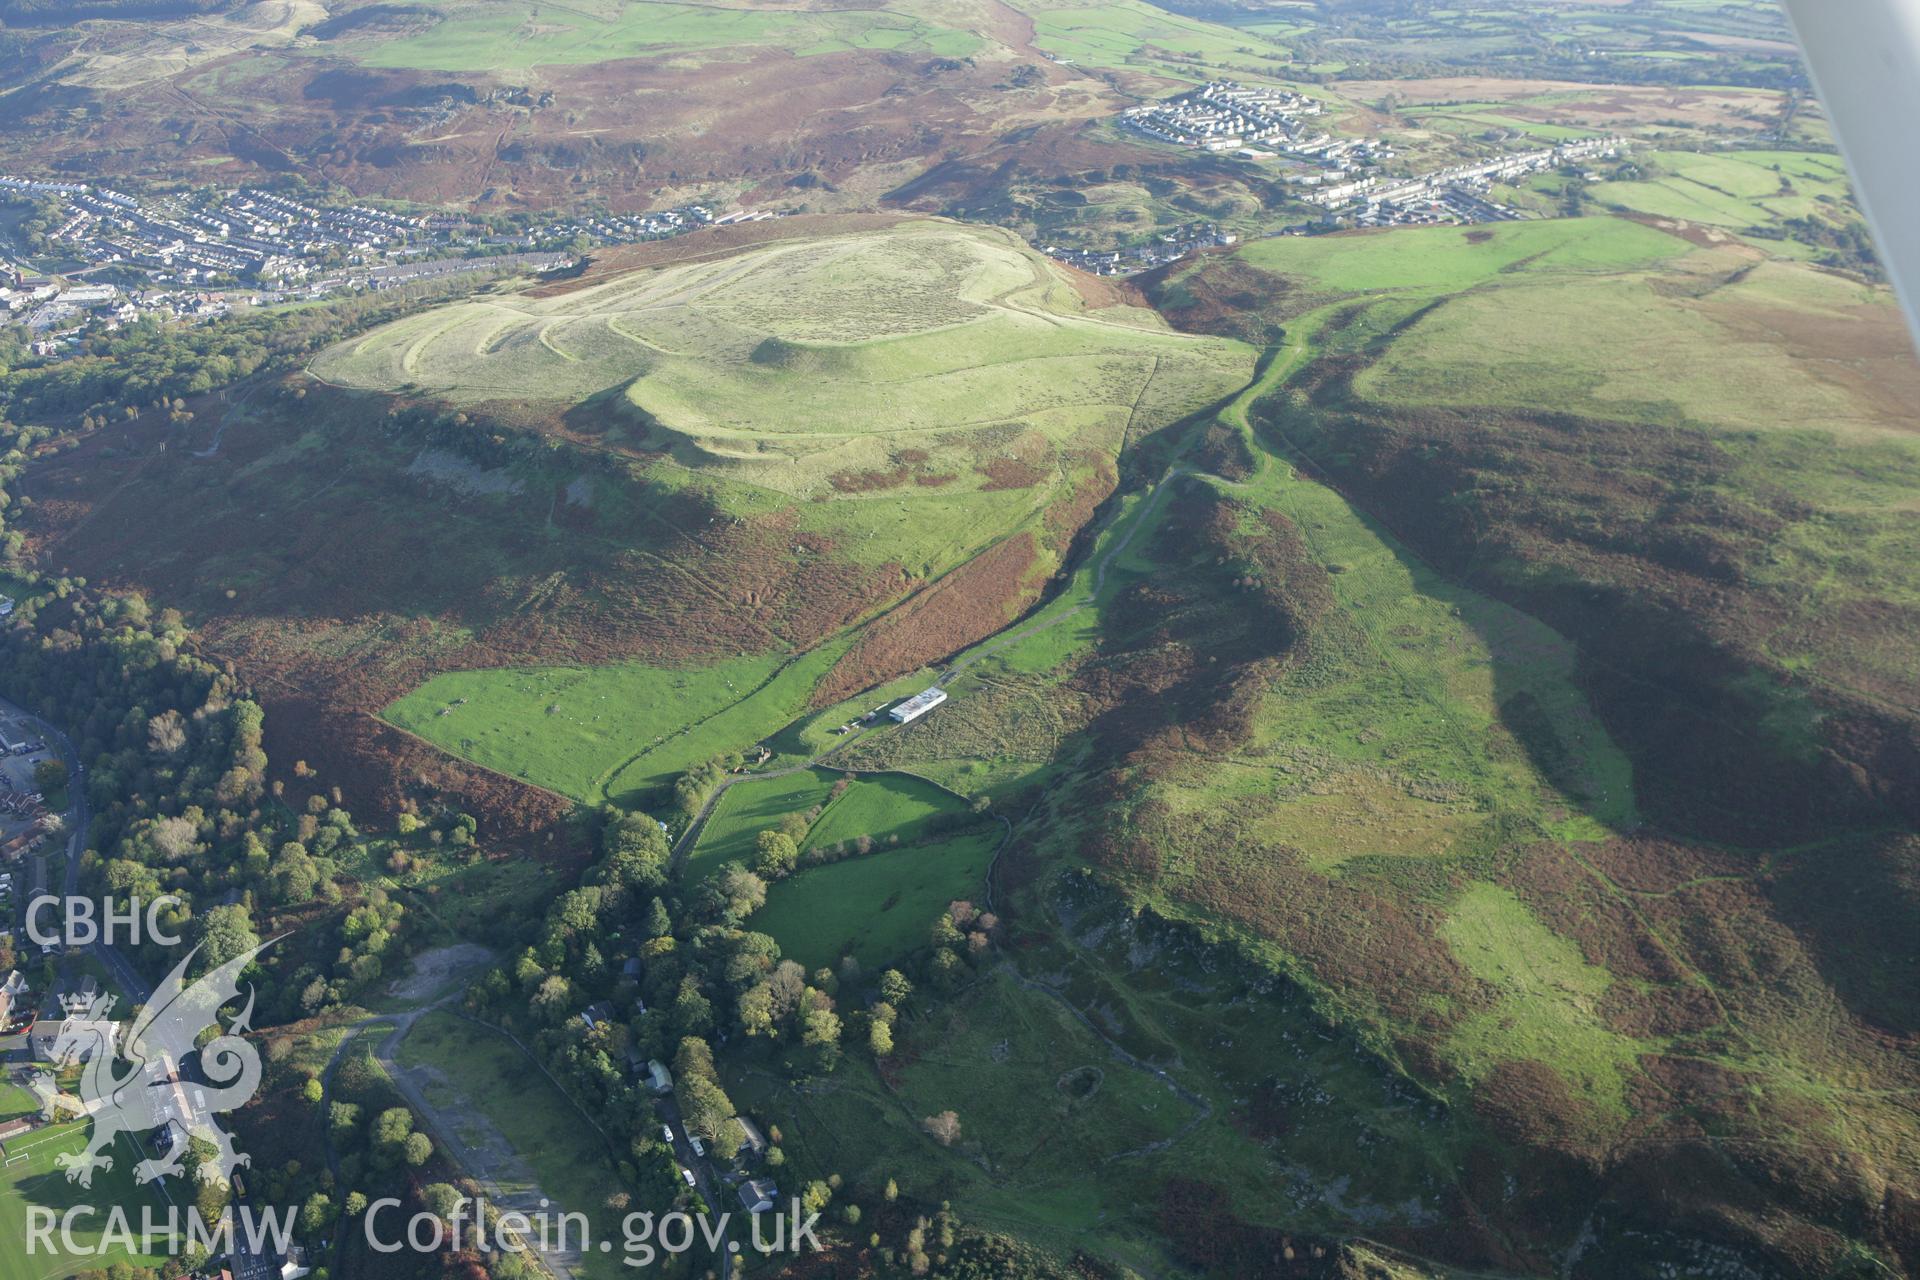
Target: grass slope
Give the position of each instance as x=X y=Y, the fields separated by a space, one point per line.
x=876 y=907
x=747 y=809
x=608 y=733
x=1446 y=259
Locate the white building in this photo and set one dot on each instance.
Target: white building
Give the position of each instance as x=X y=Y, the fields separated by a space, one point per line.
x=918 y=705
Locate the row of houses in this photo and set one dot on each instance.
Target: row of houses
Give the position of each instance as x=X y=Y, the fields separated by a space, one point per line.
x=1469 y=176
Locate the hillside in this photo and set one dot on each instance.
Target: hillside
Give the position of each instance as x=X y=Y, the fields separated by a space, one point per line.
x=917 y=422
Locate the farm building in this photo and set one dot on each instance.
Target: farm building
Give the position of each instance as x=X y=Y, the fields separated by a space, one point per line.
x=918 y=705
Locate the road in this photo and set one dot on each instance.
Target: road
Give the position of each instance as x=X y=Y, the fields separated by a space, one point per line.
x=77 y=817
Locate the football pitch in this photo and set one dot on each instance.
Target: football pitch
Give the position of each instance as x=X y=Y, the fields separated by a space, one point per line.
x=31 y=1179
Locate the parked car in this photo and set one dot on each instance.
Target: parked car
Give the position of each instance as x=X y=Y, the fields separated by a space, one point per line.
x=666 y=1131
x=697 y=1148
x=687 y=1174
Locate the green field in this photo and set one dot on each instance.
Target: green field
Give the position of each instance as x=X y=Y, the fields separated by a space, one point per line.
x=886 y=808
x=482 y=35
x=31 y=1178
x=1734 y=189
x=1135 y=35
x=747 y=809
x=608 y=733
x=876 y=907
x=1449 y=259
x=1621 y=347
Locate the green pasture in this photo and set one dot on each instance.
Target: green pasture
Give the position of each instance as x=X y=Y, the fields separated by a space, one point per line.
x=1626 y=347
x=1735 y=189
x=748 y=808
x=886 y=807
x=876 y=907
x=1136 y=35
x=608 y=733
x=1449 y=259
x=889 y=809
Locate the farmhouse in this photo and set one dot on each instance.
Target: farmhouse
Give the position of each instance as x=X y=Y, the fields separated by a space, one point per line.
x=918 y=705
x=757 y=1194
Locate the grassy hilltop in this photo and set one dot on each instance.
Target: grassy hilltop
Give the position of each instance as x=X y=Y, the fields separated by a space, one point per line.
x=823 y=366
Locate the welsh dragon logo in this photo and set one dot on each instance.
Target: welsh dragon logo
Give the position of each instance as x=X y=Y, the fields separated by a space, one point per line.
x=157 y=1092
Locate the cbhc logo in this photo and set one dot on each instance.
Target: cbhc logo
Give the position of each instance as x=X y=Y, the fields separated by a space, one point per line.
x=82 y=929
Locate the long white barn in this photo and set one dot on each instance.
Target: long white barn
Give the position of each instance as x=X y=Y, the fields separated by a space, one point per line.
x=918 y=705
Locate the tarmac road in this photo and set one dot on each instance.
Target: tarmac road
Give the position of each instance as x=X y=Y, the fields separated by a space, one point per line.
x=77 y=818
